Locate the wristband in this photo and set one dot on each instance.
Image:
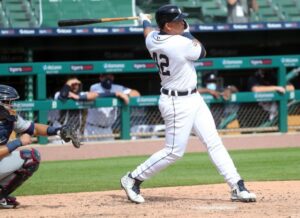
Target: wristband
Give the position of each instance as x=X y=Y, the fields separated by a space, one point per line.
x=51 y=130
x=13 y=145
x=146 y=24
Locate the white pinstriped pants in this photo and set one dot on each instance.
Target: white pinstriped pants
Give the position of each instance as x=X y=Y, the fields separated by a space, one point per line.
x=182 y=114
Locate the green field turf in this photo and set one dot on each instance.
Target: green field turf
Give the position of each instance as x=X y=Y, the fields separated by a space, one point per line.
x=192 y=169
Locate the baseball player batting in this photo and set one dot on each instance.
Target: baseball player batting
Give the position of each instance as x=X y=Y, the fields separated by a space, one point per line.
x=183 y=109
x=16 y=166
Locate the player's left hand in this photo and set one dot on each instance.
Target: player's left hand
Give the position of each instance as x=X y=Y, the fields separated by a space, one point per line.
x=68 y=133
x=143 y=17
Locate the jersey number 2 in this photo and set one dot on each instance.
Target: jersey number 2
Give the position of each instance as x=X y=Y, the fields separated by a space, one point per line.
x=162 y=63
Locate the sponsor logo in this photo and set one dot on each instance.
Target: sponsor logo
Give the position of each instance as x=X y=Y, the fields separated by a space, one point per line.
x=21 y=69
x=206 y=27
x=84 y=30
x=203 y=64
x=113 y=67
x=223 y=27
x=290 y=61
x=264 y=96
x=45 y=31
x=64 y=31
x=52 y=68
x=84 y=67
x=147 y=101
x=26 y=31
x=291 y=25
x=232 y=63
x=118 y=30
x=24 y=106
x=100 y=30
x=261 y=61
x=8 y=32
x=144 y=66
x=274 y=25
x=135 y=29
x=240 y=26
x=257 y=26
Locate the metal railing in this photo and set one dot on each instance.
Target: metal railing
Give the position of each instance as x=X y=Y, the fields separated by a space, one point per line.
x=243 y=112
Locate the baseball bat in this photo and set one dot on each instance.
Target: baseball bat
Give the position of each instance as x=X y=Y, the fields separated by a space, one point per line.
x=78 y=22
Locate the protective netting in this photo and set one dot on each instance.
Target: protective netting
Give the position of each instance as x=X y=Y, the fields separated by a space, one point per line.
x=294 y=115
x=246 y=117
x=146 y=121
x=104 y=124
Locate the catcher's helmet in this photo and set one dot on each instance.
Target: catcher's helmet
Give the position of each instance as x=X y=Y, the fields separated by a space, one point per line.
x=8 y=93
x=168 y=13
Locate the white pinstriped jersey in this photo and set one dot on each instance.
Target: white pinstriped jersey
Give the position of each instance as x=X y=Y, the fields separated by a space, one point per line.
x=175 y=56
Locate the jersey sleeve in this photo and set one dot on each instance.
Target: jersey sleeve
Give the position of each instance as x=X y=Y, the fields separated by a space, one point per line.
x=23 y=126
x=120 y=88
x=193 y=49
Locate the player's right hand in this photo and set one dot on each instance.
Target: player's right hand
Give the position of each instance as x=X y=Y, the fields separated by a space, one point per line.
x=25 y=139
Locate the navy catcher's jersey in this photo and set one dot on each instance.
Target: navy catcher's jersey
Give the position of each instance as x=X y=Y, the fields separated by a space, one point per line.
x=6 y=128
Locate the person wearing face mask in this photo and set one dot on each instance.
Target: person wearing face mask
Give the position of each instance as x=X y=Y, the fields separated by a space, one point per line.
x=100 y=120
x=223 y=113
x=263 y=80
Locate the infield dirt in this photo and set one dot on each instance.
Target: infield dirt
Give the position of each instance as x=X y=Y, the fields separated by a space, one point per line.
x=275 y=199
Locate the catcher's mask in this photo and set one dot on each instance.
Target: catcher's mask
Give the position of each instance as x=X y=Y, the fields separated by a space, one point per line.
x=168 y=13
x=7 y=96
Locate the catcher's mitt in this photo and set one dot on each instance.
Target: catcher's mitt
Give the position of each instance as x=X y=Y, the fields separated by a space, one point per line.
x=67 y=133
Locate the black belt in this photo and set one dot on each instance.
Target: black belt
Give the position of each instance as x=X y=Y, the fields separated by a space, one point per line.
x=179 y=93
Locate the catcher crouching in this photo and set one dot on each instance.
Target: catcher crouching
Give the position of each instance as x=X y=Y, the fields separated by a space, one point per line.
x=16 y=166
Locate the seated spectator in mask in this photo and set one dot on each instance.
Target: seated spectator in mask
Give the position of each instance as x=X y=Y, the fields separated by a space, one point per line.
x=100 y=120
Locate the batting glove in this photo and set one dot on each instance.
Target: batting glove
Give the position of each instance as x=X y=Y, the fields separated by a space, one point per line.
x=143 y=17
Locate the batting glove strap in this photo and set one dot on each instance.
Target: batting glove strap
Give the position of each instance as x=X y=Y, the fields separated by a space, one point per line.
x=146 y=24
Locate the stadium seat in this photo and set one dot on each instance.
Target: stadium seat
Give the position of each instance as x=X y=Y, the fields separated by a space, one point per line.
x=68 y=9
x=151 y=6
x=19 y=13
x=187 y=3
x=214 y=11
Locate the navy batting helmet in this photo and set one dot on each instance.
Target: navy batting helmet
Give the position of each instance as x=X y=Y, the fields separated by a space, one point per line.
x=168 y=13
x=8 y=93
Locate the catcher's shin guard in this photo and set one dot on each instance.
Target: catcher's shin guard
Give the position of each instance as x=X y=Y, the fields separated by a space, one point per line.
x=31 y=159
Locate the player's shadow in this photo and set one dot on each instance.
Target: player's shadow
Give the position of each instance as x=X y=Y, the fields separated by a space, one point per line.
x=152 y=198
x=45 y=206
